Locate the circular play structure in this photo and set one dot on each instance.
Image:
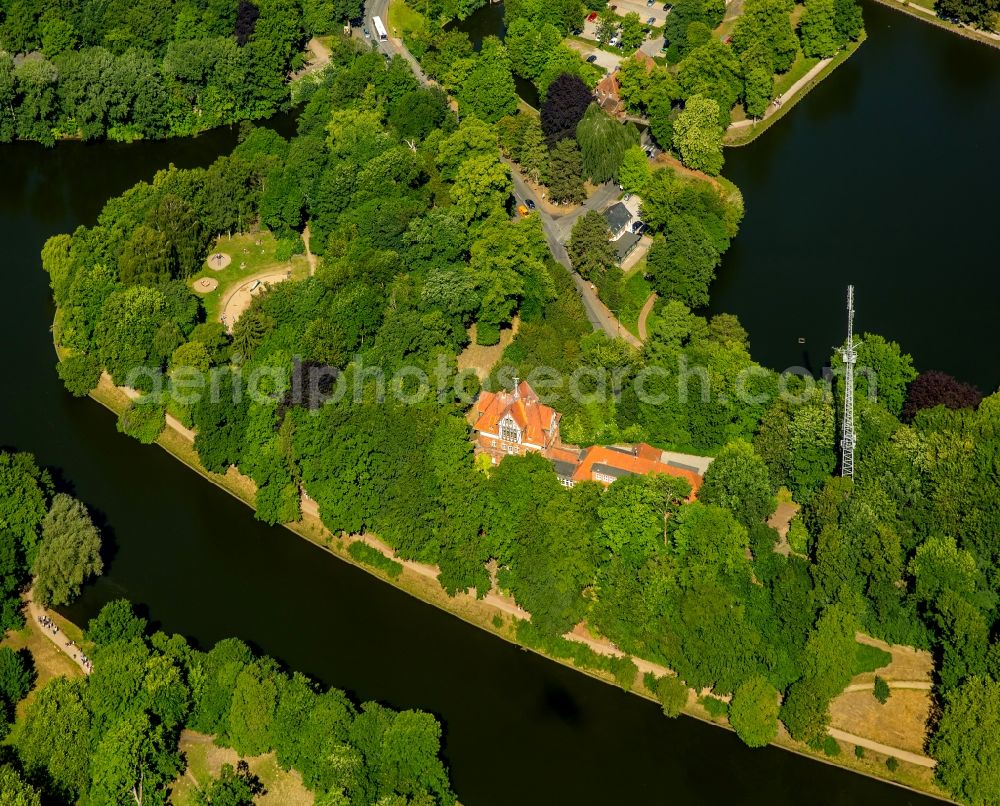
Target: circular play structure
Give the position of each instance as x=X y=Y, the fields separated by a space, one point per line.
x=206 y=285
x=218 y=261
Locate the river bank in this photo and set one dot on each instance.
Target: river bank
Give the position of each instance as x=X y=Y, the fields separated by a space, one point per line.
x=743 y=135
x=491 y=615
x=922 y=12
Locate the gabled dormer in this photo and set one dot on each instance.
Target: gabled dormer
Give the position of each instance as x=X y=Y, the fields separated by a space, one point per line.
x=509 y=432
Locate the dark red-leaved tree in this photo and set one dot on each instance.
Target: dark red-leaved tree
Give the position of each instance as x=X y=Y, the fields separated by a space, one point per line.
x=934 y=388
x=246 y=20
x=565 y=102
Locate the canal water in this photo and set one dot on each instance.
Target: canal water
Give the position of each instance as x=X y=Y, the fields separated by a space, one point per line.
x=885 y=176
x=518 y=729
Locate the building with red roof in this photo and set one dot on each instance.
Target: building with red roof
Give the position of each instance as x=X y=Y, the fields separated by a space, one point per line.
x=515 y=422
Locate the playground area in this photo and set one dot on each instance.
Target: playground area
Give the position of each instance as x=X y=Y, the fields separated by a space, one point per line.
x=239 y=268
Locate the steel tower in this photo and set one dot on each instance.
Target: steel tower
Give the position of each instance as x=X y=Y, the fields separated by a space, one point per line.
x=849 y=354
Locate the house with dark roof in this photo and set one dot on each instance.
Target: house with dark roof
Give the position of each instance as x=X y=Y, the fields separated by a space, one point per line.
x=625 y=245
x=619 y=220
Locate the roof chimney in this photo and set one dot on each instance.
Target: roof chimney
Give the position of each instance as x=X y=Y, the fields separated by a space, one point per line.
x=517 y=392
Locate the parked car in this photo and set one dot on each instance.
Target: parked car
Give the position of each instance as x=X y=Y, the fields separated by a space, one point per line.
x=367 y=33
x=592 y=58
x=638 y=227
x=613 y=8
x=626 y=197
x=592 y=16
x=650 y=3
x=651 y=21
x=614 y=41
x=522 y=210
x=668 y=7
x=530 y=203
x=577 y=31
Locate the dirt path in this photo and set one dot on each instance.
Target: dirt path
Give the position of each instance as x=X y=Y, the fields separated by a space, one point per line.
x=507 y=605
x=239 y=300
x=309 y=255
x=54 y=634
x=913 y=685
x=884 y=749
x=320 y=58
x=644 y=315
x=172 y=422
x=602 y=646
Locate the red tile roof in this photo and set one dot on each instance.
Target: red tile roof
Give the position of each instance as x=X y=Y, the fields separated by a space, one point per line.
x=641 y=460
x=532 y=416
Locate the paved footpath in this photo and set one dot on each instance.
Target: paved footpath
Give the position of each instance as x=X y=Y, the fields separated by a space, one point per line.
x=786 y=96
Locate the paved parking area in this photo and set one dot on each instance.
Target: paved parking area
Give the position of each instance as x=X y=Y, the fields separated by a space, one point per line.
x=639 y=7
x=608 y=61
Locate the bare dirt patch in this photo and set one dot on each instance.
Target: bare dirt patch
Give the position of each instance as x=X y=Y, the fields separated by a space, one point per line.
x=901 y=722
x=239 y=300
x=483 y=359
x=217 y=261
x=206 y=285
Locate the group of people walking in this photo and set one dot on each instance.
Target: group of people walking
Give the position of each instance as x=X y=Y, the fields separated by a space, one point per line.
x=53 y=628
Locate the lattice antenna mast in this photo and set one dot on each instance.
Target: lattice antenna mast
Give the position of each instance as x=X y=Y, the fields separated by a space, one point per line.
x=849 y=354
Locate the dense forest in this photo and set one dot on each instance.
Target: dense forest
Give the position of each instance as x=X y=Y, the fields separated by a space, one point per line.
x=409 y=209
x=153 y=68
x=112 y=737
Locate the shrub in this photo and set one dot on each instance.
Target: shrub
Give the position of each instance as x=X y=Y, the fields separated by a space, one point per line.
x=673 y=695
x=869 y=658
x=80 y=373
x=831 y=747
x=487 y=333
x=716 y=708
x=798 y=536
x=892 y=764
x=881 y=690
x=367 y=555
x=286 y=247
x=859 y=752
x=143 y=420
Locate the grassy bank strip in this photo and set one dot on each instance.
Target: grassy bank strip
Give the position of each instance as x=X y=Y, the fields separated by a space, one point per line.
x=920 y=11
x=742 y=137
x=620 y=672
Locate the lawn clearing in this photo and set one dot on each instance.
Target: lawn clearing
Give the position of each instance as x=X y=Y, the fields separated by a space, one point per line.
x=403 y=20
x=252 y=254
x=205 y=760
x=50 y=661
x=636 y=291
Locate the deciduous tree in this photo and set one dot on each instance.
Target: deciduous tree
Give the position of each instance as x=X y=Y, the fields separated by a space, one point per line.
x=69 y=552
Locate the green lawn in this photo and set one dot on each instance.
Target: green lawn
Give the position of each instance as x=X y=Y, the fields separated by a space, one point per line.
x=403 y=19
x=635 y=291
x=799 y=68
x=248 y=259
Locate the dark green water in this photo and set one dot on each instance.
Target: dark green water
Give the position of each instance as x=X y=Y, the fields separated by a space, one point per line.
x=885 y=176
x=518 y=729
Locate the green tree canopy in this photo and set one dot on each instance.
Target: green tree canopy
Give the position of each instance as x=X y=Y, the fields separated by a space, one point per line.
x=69 y=552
